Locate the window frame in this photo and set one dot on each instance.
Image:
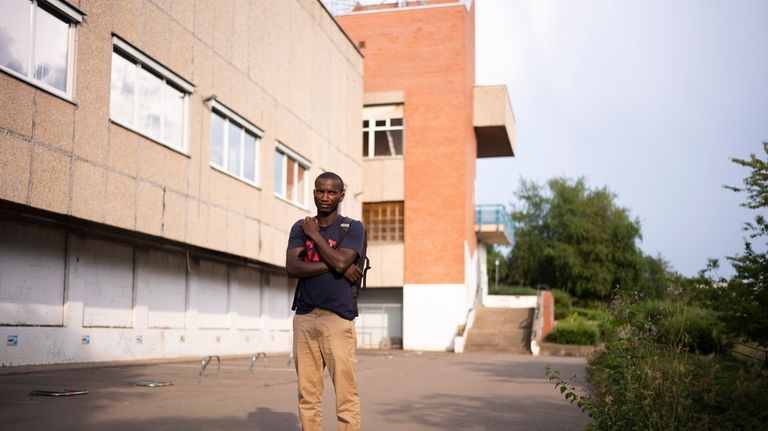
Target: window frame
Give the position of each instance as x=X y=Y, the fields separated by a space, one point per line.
x=144 y=62
x=245 y=126
x=374 y=226
x=372 y=128
x=299 y=161
x=73 y=18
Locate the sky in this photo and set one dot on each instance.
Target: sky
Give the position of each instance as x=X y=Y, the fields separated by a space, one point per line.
x=650 y=98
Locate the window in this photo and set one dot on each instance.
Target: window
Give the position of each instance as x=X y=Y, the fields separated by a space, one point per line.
x=234 y=144
x=383 y=131
x=148 y=98
x=36 y=42
x=384 y=221
x=290 y=175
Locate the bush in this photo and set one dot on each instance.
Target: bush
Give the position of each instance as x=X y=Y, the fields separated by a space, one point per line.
x=504 y=289
x=646 y=377
x=563 y=304
x=575 y=331
x=600 y=317
x=692 y=328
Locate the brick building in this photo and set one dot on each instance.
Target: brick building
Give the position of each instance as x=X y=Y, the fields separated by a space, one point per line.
x=425 y=123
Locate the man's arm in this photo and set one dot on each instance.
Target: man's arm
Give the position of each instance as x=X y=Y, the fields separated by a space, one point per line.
x=338 y=260
x=295 y=266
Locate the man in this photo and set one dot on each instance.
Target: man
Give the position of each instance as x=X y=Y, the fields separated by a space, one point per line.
x=323 y=327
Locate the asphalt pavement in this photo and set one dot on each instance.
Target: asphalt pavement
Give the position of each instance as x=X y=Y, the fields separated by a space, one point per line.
x=399 y=390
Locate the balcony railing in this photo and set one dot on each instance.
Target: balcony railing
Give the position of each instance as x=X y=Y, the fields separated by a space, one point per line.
x=494 y=224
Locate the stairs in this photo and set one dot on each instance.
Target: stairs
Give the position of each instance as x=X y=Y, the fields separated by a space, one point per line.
x=500 y=330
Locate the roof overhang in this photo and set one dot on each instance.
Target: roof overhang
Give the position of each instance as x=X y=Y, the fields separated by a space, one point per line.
x=494 y=121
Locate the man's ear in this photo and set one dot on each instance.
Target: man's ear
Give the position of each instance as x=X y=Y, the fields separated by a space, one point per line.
x=341 y=196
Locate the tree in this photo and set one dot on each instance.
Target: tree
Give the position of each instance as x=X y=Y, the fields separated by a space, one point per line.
x=745 y=299
x=576 y=238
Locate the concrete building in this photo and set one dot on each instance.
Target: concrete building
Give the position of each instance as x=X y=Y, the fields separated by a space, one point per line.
x=425 y=124
x=153 y=156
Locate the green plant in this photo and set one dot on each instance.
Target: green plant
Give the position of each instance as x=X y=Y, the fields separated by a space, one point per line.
x=563 y=304
x=569 y=391
x=644 y=379
x=575 y=331
x=691 y=327
x=504 y=289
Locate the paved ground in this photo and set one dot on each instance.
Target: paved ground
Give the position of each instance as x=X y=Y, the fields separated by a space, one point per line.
x=399 y=391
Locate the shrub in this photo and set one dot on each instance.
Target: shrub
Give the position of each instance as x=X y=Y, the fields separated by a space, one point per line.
x=504 y=289
x=692 y=328
x=575 y=331
x=563 y=304
x=600 y=317
x=647 y=377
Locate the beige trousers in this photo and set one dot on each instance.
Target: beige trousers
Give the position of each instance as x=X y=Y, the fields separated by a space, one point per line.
x=321 y=338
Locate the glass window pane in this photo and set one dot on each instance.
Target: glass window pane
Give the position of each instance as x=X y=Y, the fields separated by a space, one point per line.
x=395 y=122
x=249 y=157
x=381 y=123
x=217 y=140
x=365 y=144
x=234 y=134
x=290 y=179
x=173 y=130
x=300 y=186
x=150 y=107
x=279 y=180
x=381 y=144
x=365 y=123
x=123 y=90
x=395 y=138
x=51 y=46
x=14 y=35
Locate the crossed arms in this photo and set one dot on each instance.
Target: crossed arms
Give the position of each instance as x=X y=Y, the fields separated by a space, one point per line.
x=340 y=261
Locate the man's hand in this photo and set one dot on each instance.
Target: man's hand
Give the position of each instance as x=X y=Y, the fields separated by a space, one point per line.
x=311 y=227
x=353 y=274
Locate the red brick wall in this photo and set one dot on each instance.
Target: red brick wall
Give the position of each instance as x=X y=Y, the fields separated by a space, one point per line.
x=429 y=55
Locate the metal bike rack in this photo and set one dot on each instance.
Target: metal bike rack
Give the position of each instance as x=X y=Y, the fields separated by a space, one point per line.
x=206 y=361
x=255 y=358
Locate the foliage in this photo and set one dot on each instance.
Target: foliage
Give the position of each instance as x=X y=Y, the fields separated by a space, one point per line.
x=600 y=317
x=575 y=330
x=493 y=254
x=744 y=300
x=672 y=322
x=574 y=237
x=563 y=303
x=643 y=381
x=504 y=289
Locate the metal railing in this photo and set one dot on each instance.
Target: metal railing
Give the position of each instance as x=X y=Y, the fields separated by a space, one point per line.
x=495 y=214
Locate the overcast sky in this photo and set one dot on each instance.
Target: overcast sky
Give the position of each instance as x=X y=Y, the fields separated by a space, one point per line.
x=647 y=97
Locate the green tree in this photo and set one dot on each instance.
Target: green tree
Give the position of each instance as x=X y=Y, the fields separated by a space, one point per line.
x=576 y=238
x=745 y=299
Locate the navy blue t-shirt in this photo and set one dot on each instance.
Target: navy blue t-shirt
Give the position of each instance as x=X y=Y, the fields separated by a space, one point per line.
x=328 y=290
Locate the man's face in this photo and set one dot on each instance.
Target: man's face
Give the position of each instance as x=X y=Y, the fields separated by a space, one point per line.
x=327 y=195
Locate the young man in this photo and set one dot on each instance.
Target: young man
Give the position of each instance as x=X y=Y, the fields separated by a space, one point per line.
x=323 y=327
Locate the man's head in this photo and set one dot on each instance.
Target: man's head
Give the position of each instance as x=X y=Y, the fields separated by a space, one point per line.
x=328 y=193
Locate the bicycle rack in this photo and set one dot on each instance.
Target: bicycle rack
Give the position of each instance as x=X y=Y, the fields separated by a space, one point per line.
x=206 y=361
x=255 y=358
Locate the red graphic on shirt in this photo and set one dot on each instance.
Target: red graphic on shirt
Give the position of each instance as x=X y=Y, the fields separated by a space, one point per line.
x=311 y=254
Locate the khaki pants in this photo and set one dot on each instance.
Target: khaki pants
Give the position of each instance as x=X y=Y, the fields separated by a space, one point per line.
x=322 y=338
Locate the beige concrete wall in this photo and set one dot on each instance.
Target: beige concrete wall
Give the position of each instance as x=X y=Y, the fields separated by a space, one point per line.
x=386 y=265
x=383 y=179
x=282 y=65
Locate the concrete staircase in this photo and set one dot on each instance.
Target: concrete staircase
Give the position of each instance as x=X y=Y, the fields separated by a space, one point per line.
x=501 y=330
